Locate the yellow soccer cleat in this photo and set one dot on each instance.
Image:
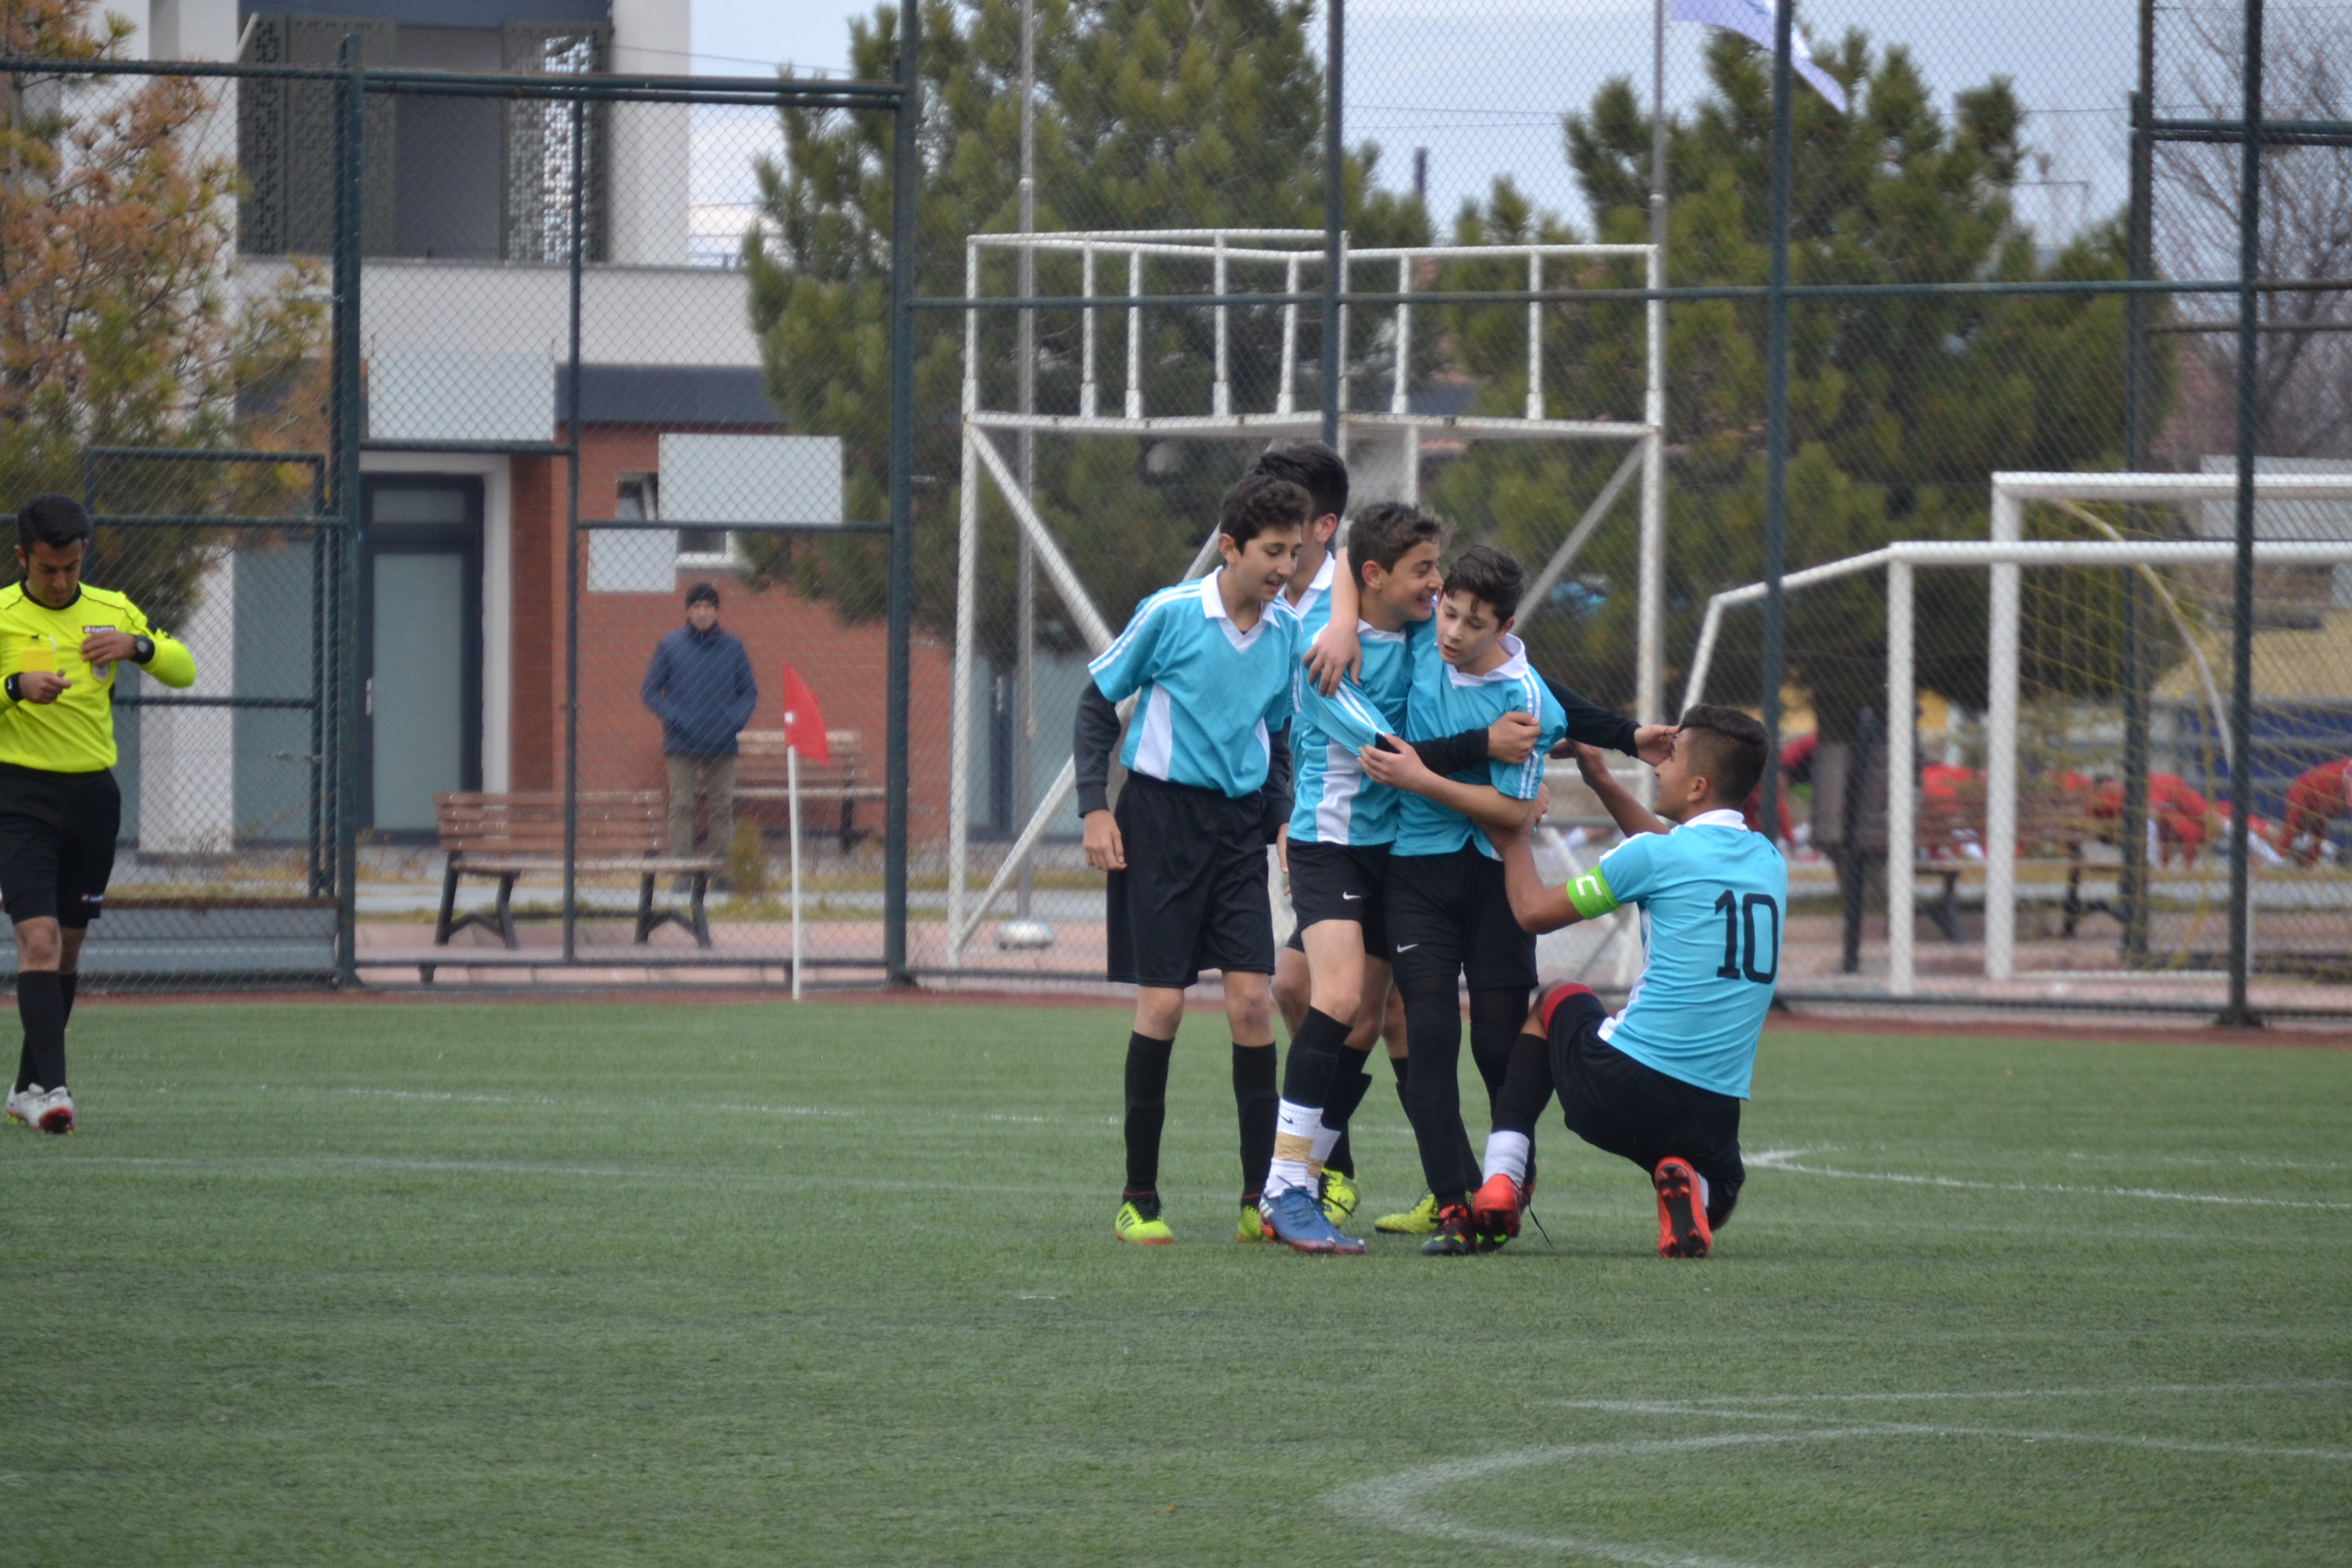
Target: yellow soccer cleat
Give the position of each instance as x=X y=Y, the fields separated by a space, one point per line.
x=1253 y=1225
x=1340 y=1196
x=1143 y=1229
x=1421 y=1219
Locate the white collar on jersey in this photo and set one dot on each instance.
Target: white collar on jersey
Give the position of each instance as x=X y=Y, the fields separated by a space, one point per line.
x=1321 y=585
x=1514 y=666
x=1365 y=630
x=1721 y=816
x=1212 y=606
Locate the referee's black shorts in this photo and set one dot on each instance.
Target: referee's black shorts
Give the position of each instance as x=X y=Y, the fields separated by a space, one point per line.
x=1342 y=882
x=57 y=843
x=1632 y=1109
x=1193 y=895
x=1449 y=915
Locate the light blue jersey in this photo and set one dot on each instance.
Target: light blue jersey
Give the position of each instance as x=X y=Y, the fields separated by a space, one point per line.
x=1312 y=612
x=1333 y=802
x=1713 y=899
x=1210 y=692
x=1444 y=701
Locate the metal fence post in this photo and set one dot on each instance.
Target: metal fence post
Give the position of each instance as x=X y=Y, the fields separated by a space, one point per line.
x=1335 y=214
x=572 y=556
x=1776 y=417
x=905 y=171
x=350 y=507
x=2241 y=586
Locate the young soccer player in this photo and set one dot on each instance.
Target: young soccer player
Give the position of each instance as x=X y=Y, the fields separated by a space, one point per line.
x=1448 y=920
x=1207 y=787
x=62 y=645
x=1337 y=855
x=1661 y=1080
x=1509 y=741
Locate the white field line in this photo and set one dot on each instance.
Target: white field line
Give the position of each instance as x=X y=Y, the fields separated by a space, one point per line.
x=2117 y=1391
x=1786 y=1160
x=1397 y=1501
x=362 y=1164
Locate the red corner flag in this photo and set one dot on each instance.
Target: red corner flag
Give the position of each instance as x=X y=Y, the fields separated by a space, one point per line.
x=804 y=722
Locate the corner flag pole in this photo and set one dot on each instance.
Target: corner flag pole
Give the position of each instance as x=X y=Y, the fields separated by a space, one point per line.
x=793 y=799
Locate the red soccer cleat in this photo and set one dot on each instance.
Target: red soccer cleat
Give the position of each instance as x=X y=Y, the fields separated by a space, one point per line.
x=1495 y=1207
x=1682 y=1218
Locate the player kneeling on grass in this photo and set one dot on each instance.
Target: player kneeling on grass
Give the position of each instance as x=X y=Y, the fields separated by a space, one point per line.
x=1208 y=788
x=61 y=646
x=1659 y=1081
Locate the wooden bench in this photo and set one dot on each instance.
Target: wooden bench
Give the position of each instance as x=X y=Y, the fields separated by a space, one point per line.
x=509 y=837
x=762 y=794
x=2049 y=817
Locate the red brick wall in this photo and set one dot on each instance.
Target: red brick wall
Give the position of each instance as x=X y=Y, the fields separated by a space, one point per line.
x=845 y=664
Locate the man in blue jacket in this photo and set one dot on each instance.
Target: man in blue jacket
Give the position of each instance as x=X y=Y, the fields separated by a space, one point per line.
x=699 y=684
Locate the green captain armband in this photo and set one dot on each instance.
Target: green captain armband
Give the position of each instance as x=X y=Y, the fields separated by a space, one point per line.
x=1590 y=894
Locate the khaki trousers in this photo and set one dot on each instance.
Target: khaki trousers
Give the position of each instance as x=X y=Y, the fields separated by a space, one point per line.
x=712 y=780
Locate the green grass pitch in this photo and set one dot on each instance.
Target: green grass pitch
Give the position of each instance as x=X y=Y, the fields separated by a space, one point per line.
x=608 y=1284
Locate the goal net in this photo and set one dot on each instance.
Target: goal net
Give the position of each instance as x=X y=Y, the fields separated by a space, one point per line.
x=2047 y=782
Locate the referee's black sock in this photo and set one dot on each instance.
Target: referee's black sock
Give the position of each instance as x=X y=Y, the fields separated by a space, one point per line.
x=1147 y=1110
x=41 y=1005
x=25 y=1057
x=1254 y=1104
x=66 y=978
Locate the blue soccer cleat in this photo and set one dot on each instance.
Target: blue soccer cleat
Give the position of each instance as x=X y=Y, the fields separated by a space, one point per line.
x=1297 y=1221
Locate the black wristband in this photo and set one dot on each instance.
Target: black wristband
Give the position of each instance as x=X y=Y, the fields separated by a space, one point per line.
x=143 y=649
x=16 y=692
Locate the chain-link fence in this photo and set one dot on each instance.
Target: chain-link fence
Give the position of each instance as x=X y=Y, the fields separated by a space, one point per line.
x=474 y=354
x=2013 y=246
x=411 y=375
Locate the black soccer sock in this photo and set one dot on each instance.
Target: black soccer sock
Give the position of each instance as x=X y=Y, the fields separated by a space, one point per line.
x=1147 y=1110
x=66 y=978
x=1314 y=1065
x=1348 y=1092
x=41 y=1005
x=1526 y=1086
x=25 y=1063
x=1256 y=1104
x=1495 y=1019
x=1432 y=1096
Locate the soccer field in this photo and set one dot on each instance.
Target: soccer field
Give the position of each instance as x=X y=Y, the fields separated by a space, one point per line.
x=748 y=1283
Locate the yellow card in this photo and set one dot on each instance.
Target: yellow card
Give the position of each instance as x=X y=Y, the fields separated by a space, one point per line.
x=35 y=651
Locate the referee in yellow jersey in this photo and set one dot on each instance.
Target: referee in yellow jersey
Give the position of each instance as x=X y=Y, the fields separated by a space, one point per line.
x=61 y=642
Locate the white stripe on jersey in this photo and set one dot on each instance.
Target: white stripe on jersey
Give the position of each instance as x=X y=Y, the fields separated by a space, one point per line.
x=1143 y=614
x=1155 y=748
x=1343 y=779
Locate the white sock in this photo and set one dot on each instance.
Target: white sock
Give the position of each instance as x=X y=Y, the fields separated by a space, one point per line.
x=1506 y=1154
x=1702 y=1190
x=1295 y=1127
x=1325 y=1140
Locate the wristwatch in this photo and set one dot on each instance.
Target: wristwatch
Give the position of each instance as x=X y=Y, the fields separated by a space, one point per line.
x=143 y=649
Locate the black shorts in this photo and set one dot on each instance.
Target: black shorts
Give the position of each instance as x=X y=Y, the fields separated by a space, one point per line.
x=1342 y=882
x=1632 y=1109
x=1193 y=895
x=57 y=843
x=1449 y=915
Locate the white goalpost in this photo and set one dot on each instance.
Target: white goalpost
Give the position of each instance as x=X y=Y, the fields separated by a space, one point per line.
x=1298 y=256
x=2006 y=553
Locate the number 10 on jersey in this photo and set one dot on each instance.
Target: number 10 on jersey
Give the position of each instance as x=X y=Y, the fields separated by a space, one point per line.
x=1740 y=928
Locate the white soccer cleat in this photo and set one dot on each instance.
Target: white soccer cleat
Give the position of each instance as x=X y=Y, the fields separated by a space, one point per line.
x=48 y=1109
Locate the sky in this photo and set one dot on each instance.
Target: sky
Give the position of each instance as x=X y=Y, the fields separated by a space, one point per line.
x=1481 y=84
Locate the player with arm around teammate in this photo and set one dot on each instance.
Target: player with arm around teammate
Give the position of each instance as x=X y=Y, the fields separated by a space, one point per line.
x=1661 y=1080
x=62 y=644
